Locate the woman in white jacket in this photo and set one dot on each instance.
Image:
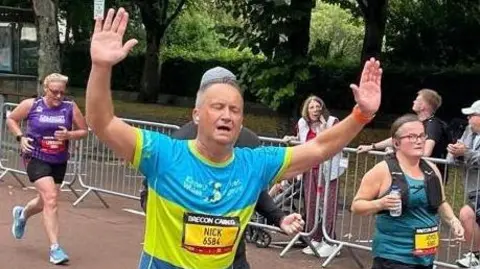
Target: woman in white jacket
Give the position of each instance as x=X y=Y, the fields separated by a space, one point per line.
x=316 y=118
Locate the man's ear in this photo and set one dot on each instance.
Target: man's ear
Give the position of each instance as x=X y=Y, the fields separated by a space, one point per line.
x=195 y=116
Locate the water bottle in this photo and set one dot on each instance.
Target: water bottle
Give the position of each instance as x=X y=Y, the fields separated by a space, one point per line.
x=398 y=210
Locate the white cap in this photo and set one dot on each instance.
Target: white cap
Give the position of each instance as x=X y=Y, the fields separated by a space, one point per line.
x=474 y=109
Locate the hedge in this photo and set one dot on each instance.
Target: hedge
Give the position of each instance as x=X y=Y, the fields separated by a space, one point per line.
x=458 y=86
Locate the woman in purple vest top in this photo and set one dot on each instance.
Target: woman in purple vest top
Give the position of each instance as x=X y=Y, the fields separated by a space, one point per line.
x=51 y=122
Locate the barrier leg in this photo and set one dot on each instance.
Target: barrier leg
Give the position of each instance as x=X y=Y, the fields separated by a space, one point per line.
x=290 y=245
x=69 y=186
x=294 y=240
x=333 y=255
x=356 y=259
x=3 y=174
x=101 y=199
x=18 y=179
x=313 y=248
x=85 y=195
x=81 y=197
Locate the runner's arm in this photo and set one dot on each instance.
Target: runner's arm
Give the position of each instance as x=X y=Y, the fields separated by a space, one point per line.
x=267 y=208
x=80 y=129
x=445 y=210
x=17 y=115
x=364 y=202
x=447 y=214
x=116 y=134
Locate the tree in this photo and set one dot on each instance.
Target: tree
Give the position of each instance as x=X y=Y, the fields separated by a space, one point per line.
x=49 y=60
x=335 y=34
x=194 y=32
x=439 y=33
x=49 y=45
x=375 y=16
x=274 y=28
x=78 y=17
x=280 y=31
x=16 y=3
x=156 y=16
x=374 y=13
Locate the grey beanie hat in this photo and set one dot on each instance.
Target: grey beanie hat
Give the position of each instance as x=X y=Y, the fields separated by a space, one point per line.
x=217 y=75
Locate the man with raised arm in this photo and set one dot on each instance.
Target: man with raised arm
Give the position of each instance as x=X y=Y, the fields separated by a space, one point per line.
x=202 y=192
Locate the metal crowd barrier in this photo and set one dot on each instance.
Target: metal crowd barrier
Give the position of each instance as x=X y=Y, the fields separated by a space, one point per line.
x=290 y=196
x=98 y=170
x=103 y=172
x=356 y=232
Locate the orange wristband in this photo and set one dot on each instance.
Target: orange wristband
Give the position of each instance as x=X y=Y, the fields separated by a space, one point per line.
x=360 y=117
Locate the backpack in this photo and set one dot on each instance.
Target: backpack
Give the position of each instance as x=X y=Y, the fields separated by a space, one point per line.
x=433 y=186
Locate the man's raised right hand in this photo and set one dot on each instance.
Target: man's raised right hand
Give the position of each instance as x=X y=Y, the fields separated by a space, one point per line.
x=107 y=48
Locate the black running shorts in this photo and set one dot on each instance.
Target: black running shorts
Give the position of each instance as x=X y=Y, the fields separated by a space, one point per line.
x=37 y=169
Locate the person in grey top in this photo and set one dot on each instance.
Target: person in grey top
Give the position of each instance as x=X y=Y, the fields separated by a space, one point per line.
x=467 y=152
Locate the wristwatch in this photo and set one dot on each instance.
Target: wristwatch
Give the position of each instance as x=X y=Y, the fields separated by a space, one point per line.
x=19 y=137
x=373 y=146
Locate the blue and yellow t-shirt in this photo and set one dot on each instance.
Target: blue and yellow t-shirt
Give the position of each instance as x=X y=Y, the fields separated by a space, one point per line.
x=197 y=209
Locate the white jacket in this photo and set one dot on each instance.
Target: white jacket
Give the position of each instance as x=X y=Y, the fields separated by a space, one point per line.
x=333 y=168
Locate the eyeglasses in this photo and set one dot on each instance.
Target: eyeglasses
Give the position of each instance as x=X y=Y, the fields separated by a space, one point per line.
x=412 y=138
x=57 y=92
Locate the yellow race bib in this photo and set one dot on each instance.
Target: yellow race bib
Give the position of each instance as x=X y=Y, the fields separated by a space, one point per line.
x=426 y=241
x=207 y=234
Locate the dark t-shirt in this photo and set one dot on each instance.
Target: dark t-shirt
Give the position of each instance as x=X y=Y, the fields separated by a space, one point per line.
x=435 y=131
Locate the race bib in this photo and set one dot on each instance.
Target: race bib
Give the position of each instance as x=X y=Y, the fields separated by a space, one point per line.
x=426 y=241
x=206 y=234
x=50 y=145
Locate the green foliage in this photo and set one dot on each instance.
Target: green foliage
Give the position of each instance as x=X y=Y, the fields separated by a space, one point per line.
x=194 y=31
x=330 y=80
x=274 y=83
x=193 y=37
x=16 y=3
x=335 y=34
x=438 y=33
x=271 y=29
x=77 y=15
x=222 y=54
x=263 y=25
x=349 y=5
x=135 y=28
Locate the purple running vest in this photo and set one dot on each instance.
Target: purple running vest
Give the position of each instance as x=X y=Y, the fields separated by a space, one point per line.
x=42 y=122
